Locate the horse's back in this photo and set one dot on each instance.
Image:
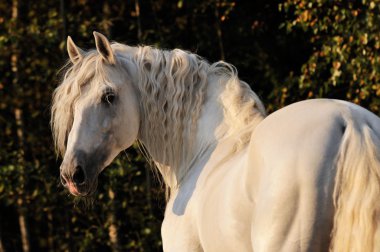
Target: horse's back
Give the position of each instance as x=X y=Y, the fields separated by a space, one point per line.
x=292 y=160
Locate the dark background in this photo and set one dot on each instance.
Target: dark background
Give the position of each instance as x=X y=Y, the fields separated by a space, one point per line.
x=287 y=50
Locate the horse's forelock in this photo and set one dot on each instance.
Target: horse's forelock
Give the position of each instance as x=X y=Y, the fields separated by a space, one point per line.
x=65 y=96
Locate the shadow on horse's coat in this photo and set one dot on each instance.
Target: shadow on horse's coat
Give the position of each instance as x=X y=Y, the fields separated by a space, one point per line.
x=305 y=178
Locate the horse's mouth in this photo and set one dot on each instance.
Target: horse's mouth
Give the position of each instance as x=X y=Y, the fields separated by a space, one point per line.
x=83 y=190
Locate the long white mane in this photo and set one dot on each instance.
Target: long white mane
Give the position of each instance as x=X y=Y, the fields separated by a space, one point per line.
x=172 y=87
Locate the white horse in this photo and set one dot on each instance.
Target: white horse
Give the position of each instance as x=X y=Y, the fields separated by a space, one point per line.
x=305 y=178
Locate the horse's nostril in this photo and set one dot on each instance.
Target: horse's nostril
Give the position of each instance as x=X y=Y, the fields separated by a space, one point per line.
x=63 y=180
x=78 y=176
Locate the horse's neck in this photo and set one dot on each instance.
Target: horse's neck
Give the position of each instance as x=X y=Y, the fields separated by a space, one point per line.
x=211 y=123
x=209 y=130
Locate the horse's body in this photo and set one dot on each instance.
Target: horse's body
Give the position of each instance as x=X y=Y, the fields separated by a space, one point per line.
x=305 y=178
x=277 y=193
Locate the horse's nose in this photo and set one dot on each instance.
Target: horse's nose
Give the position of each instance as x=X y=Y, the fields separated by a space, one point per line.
x=79 y=176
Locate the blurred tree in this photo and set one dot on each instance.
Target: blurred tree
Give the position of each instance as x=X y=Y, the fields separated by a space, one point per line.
x=14 y=31
x=32 y=49
x=345 y=59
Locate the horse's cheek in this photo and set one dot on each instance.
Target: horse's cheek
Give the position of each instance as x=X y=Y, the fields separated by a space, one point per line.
x=105 y=125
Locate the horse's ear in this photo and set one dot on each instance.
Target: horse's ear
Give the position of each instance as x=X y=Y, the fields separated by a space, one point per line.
x=75 y=53
x=104 y=47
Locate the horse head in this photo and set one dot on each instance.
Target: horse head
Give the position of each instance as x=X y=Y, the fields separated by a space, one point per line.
x=88 y=129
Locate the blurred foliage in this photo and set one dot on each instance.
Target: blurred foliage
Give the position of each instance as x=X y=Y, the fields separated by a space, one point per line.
x=288 y=50
x=345 y=58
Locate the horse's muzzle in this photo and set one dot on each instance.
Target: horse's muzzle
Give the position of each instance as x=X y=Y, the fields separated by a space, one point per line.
x=74 y=175
x=76 y=183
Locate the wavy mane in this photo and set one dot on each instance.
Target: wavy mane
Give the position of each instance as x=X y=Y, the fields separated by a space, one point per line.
x=172 y=87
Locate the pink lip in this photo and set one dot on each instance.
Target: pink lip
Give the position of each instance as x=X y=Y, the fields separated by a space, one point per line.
x=73 y=190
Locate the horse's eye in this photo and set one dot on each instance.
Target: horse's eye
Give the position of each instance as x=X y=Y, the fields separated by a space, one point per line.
x=108 y=98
